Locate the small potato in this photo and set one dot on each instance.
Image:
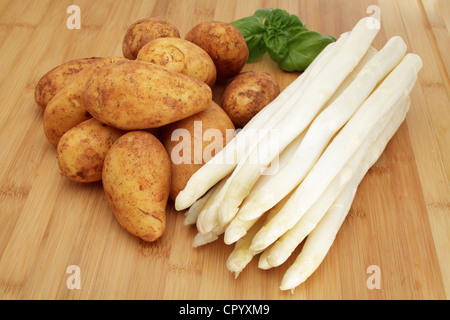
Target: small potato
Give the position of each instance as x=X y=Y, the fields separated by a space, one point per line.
x=143 y=31
x=57 y=78
x=247 y=94
x=225 y=45
x=136 y=181
x=202 y=136
x=66 y=109
x=136 y=95
x=82 y=150
x=180 y=56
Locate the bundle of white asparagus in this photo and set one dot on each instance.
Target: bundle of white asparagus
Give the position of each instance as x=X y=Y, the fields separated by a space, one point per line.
x=323 y=133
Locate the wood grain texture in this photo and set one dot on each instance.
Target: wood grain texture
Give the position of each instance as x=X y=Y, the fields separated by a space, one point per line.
x=399 y=221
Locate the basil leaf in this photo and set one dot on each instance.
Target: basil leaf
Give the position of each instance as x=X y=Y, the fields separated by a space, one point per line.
x=284 y=36
x=303 y=49
x=277 y=44
x=280 y=27
x=294 y=21
x=295 y=26
x=253 y=31
x=277 y=19
x=249 y=26
x=262 y=14
x=256 y=47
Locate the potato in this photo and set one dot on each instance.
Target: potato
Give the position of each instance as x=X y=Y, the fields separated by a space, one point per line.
x=135 y=95
x=247 y=94
x=224 y=43
x=181 y=56
x=66 y=109
x=144 y=31
x=57 y=78
x=196 y=146
x=136 y=181
x=82 y=150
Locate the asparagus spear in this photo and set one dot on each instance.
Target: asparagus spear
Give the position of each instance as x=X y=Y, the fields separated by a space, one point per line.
x=201 y=239
x=349 y=177
x=323 y=128
x=224 y=162
x=208 y=219
x=269 y=189
x=322 y=237
x=309 y=105
x=241 y=254
x=362 y=124
x=192 y=213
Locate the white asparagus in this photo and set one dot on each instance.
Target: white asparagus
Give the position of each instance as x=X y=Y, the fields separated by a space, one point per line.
x=241 y=254
x=266 y=192
x=208 y=218
x=322 y=237
x=237 y=228
x=362 y=124
x=323 y=128
x=224 y=162
x=201 y=239
x=241 y=223
x=349 y=177
x=192 y=213
x=315 y=97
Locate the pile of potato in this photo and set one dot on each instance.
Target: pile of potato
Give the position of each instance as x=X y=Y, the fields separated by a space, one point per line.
x=112 y=119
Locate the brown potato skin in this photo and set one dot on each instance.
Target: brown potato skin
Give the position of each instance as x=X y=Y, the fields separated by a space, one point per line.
x=66 y=109
x=247 y=94
x=136 y=181
x=225 y=45
x=143 y=31
x=212 y=118
x=136 y=95
x=180 y=56
x=82 y=150
x=57 y=78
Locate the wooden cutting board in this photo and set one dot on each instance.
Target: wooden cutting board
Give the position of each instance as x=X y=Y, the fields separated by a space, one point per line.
x=399 y=220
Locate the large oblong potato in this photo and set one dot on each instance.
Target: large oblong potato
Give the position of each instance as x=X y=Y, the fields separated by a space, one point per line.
x=136 y=181
x=57 y=78
x=82 y=150
x=144 y=31
x=66 y=109
x=135 y=95
x=206 y=133
x=180 y=56
x=225 y=45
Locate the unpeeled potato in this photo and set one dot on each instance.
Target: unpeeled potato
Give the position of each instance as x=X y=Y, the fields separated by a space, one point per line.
x=225 y=45
x=191 y=142
x=143 y=31
x=181 y=56
x=57 y=78
x=136 y=180
x=67 y=109
x=136 y=95
x=82 y=150
x=247 y=94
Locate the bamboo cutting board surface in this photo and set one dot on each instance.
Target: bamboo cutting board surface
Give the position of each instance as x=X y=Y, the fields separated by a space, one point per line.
x=399 y=220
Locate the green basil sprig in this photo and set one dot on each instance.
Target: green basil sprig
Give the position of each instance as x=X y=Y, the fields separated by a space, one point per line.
x=283 y=36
